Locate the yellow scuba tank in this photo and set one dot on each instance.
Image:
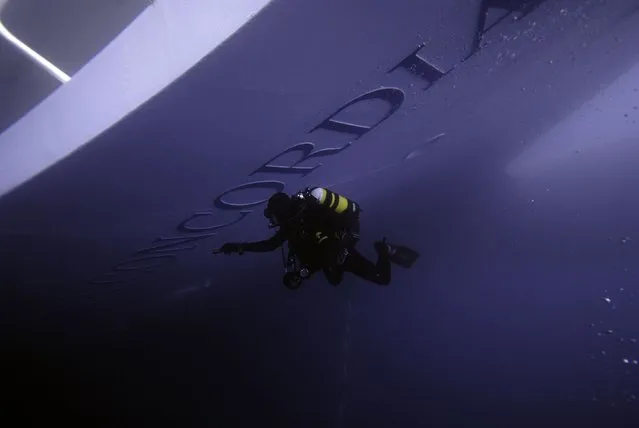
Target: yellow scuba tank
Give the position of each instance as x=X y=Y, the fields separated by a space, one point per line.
x=334 y=201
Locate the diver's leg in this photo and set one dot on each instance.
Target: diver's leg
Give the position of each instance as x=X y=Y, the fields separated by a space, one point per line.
x=379 y=273
x=333 y=275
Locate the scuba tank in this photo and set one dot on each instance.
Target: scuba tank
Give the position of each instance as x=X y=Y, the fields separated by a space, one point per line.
x=336 y=203
x=332 y=200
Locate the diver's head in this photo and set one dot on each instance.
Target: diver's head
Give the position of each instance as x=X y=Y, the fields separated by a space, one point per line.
x=279 y=209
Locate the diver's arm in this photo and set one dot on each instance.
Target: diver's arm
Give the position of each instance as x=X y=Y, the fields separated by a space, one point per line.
x=264 y=246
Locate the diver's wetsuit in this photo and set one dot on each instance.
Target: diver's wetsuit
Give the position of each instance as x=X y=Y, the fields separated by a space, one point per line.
x=379 y=273
x=309 y=241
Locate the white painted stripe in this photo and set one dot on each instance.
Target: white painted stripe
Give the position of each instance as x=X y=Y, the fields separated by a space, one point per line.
x=164 y=41
x=36 y=57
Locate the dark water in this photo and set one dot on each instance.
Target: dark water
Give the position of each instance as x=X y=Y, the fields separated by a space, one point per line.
x=520 y=312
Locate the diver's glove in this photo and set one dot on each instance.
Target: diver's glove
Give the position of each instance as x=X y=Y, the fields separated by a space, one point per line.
x=232 y=247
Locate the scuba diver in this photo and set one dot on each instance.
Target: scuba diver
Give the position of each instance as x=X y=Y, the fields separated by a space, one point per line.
x=322 y=229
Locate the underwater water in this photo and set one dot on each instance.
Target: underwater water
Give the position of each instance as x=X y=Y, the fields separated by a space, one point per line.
x=509 y=161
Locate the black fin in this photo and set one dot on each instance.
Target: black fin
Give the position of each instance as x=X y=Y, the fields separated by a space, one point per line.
x=403 y=256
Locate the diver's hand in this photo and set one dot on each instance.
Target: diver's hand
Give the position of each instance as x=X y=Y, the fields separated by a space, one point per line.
x=230 y=247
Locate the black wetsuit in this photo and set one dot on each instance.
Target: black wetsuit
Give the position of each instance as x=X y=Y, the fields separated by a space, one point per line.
x=314 y=236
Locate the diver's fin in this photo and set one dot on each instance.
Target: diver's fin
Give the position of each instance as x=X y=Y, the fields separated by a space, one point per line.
x=398 y=254
x=403 y=256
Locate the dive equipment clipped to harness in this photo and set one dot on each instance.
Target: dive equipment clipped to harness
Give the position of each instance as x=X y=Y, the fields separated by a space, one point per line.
x=294 y=275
